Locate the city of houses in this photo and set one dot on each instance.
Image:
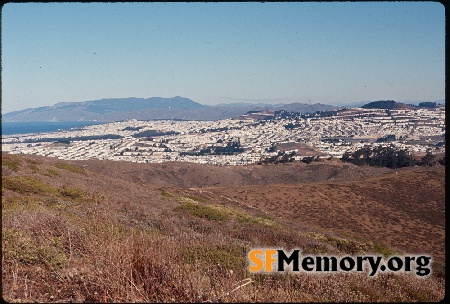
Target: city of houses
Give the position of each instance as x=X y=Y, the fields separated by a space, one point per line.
x=259 y=136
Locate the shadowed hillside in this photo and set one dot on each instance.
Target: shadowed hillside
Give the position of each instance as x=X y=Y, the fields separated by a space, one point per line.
x=116 y=109
x=96 y=231
x=198 y=175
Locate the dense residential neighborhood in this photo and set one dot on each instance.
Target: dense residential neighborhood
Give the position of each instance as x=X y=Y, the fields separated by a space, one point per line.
x=243 y=140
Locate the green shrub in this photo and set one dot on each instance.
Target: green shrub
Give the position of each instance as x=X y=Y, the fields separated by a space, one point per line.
x=383 y=249
x=74 y=193
x=18 y=246
x=418 y=296
x=230 y=256
x=23 y=184
x=260 y=219
x=33 y=162
x=11 y=161
x=198 y=210
x=196 y=198
x=69 y=167
x=52 y=255
x=51 y=172
x=166 y=194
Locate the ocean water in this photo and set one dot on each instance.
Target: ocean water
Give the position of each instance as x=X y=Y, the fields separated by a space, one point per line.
x=10 y=128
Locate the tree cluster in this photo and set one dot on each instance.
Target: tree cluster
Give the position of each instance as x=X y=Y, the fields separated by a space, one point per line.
x=430 y=160
x=132 y=128
x=380 y=156
x=310 y=159
x=380 y=104
x=153 y=133
x=232 y=147
x=390 y=137
x=281 y=157
x=389 y=157
x=427 y=104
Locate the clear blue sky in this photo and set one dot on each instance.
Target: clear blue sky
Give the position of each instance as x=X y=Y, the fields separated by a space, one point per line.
x=222 y=52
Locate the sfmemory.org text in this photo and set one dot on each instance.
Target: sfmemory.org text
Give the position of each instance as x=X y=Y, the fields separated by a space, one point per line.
x=275 y=260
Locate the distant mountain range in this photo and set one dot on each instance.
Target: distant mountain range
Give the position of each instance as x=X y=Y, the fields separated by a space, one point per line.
x=115 y=109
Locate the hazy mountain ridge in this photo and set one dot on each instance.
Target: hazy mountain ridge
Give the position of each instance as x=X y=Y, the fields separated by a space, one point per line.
x=114 y=109
x=104 y=109
x=180 y=108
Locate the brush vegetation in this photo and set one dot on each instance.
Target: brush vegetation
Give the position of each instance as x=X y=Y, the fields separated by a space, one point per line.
x=190 y=206
x=69 y=167
x=79 y=236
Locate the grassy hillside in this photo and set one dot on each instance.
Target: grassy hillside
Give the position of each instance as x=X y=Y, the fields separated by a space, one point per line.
x=91 y=231
x=404 y=208
x=198 y=175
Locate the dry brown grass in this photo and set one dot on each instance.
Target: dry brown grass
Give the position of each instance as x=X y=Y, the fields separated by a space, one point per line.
x=198 y=175
x=88 y=237
x=405 y=210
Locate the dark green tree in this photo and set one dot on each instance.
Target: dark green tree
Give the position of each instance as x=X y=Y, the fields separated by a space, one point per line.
x=380 y=156
x=428 y=160
x=307 y=159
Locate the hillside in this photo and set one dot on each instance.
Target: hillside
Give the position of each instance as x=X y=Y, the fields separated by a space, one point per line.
x=198 y=175
x=103 y=110
x=404 y=209
x=116 y=109
x=101 y=231
x=393 y=105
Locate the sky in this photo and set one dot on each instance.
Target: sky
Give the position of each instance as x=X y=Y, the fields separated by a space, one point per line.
x=332 y=53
